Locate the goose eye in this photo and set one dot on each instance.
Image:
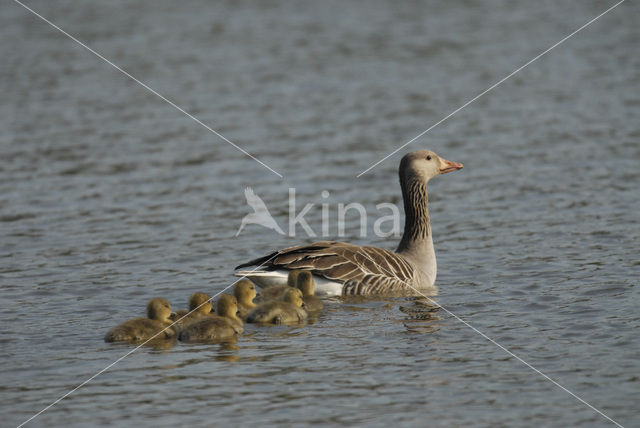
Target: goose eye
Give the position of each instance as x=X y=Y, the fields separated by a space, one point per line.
x=428 y=157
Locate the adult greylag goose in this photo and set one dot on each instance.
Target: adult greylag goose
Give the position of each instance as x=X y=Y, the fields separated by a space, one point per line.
x=346 y=269
x=140 y=329
x=288 y=310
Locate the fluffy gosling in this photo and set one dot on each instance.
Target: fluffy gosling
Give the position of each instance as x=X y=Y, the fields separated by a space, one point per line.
x=286 y=311
x=142 y=329
x=225 y=324
x=275 y=292
x=200 y=305
x=244 y=291
x=306 y=284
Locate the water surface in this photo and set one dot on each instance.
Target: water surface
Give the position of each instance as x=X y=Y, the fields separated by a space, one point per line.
x=108 y=197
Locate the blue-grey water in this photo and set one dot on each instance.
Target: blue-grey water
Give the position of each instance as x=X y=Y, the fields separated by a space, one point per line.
x=109 y=196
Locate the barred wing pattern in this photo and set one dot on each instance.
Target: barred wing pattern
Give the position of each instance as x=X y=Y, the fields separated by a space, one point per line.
x=362 y=270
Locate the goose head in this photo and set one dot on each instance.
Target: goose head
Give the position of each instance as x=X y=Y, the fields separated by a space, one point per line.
x=227 y=306
x=200 y=302
x=424 y=165
x=293 y=296
x=305 y=283
x=244 y=291
x=159 y=309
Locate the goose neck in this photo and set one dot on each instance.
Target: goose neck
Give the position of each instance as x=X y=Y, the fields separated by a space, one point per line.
x=417 y=243
x=417 y=226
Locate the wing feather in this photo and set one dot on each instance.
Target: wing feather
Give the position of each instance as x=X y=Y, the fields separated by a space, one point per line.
x=362 y=270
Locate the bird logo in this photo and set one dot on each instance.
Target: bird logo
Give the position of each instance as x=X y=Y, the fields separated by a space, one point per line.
x=260 y=214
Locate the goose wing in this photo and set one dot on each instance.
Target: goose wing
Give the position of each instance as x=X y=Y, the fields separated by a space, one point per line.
x=362 y=270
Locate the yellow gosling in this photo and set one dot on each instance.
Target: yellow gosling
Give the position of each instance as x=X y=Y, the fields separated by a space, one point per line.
x=244 y=291
x=223 y=325
x=292 y=278
x=306 y=284
x=275 y=292
x=200 y=305
x=142 y=329
x=286 y=311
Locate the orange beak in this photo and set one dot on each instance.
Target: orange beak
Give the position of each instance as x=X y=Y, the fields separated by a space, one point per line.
x=448 y=166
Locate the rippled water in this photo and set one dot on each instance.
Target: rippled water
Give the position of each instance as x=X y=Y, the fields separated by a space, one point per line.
x=108 y=196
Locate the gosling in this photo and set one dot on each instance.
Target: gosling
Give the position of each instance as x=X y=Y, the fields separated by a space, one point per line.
x=224 y=325
x=199 y=306
x=306 y=284
x=142 y=329
x=275 y=292
x=286 y=311
x=244 y=291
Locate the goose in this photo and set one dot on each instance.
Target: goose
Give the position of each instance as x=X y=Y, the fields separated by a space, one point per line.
x=224 y=325
x=199 y=306
x=141 y=329
x=244 y=291
x=274 y=292
x=340 y=268
x=305 y=284
x=288 y=310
